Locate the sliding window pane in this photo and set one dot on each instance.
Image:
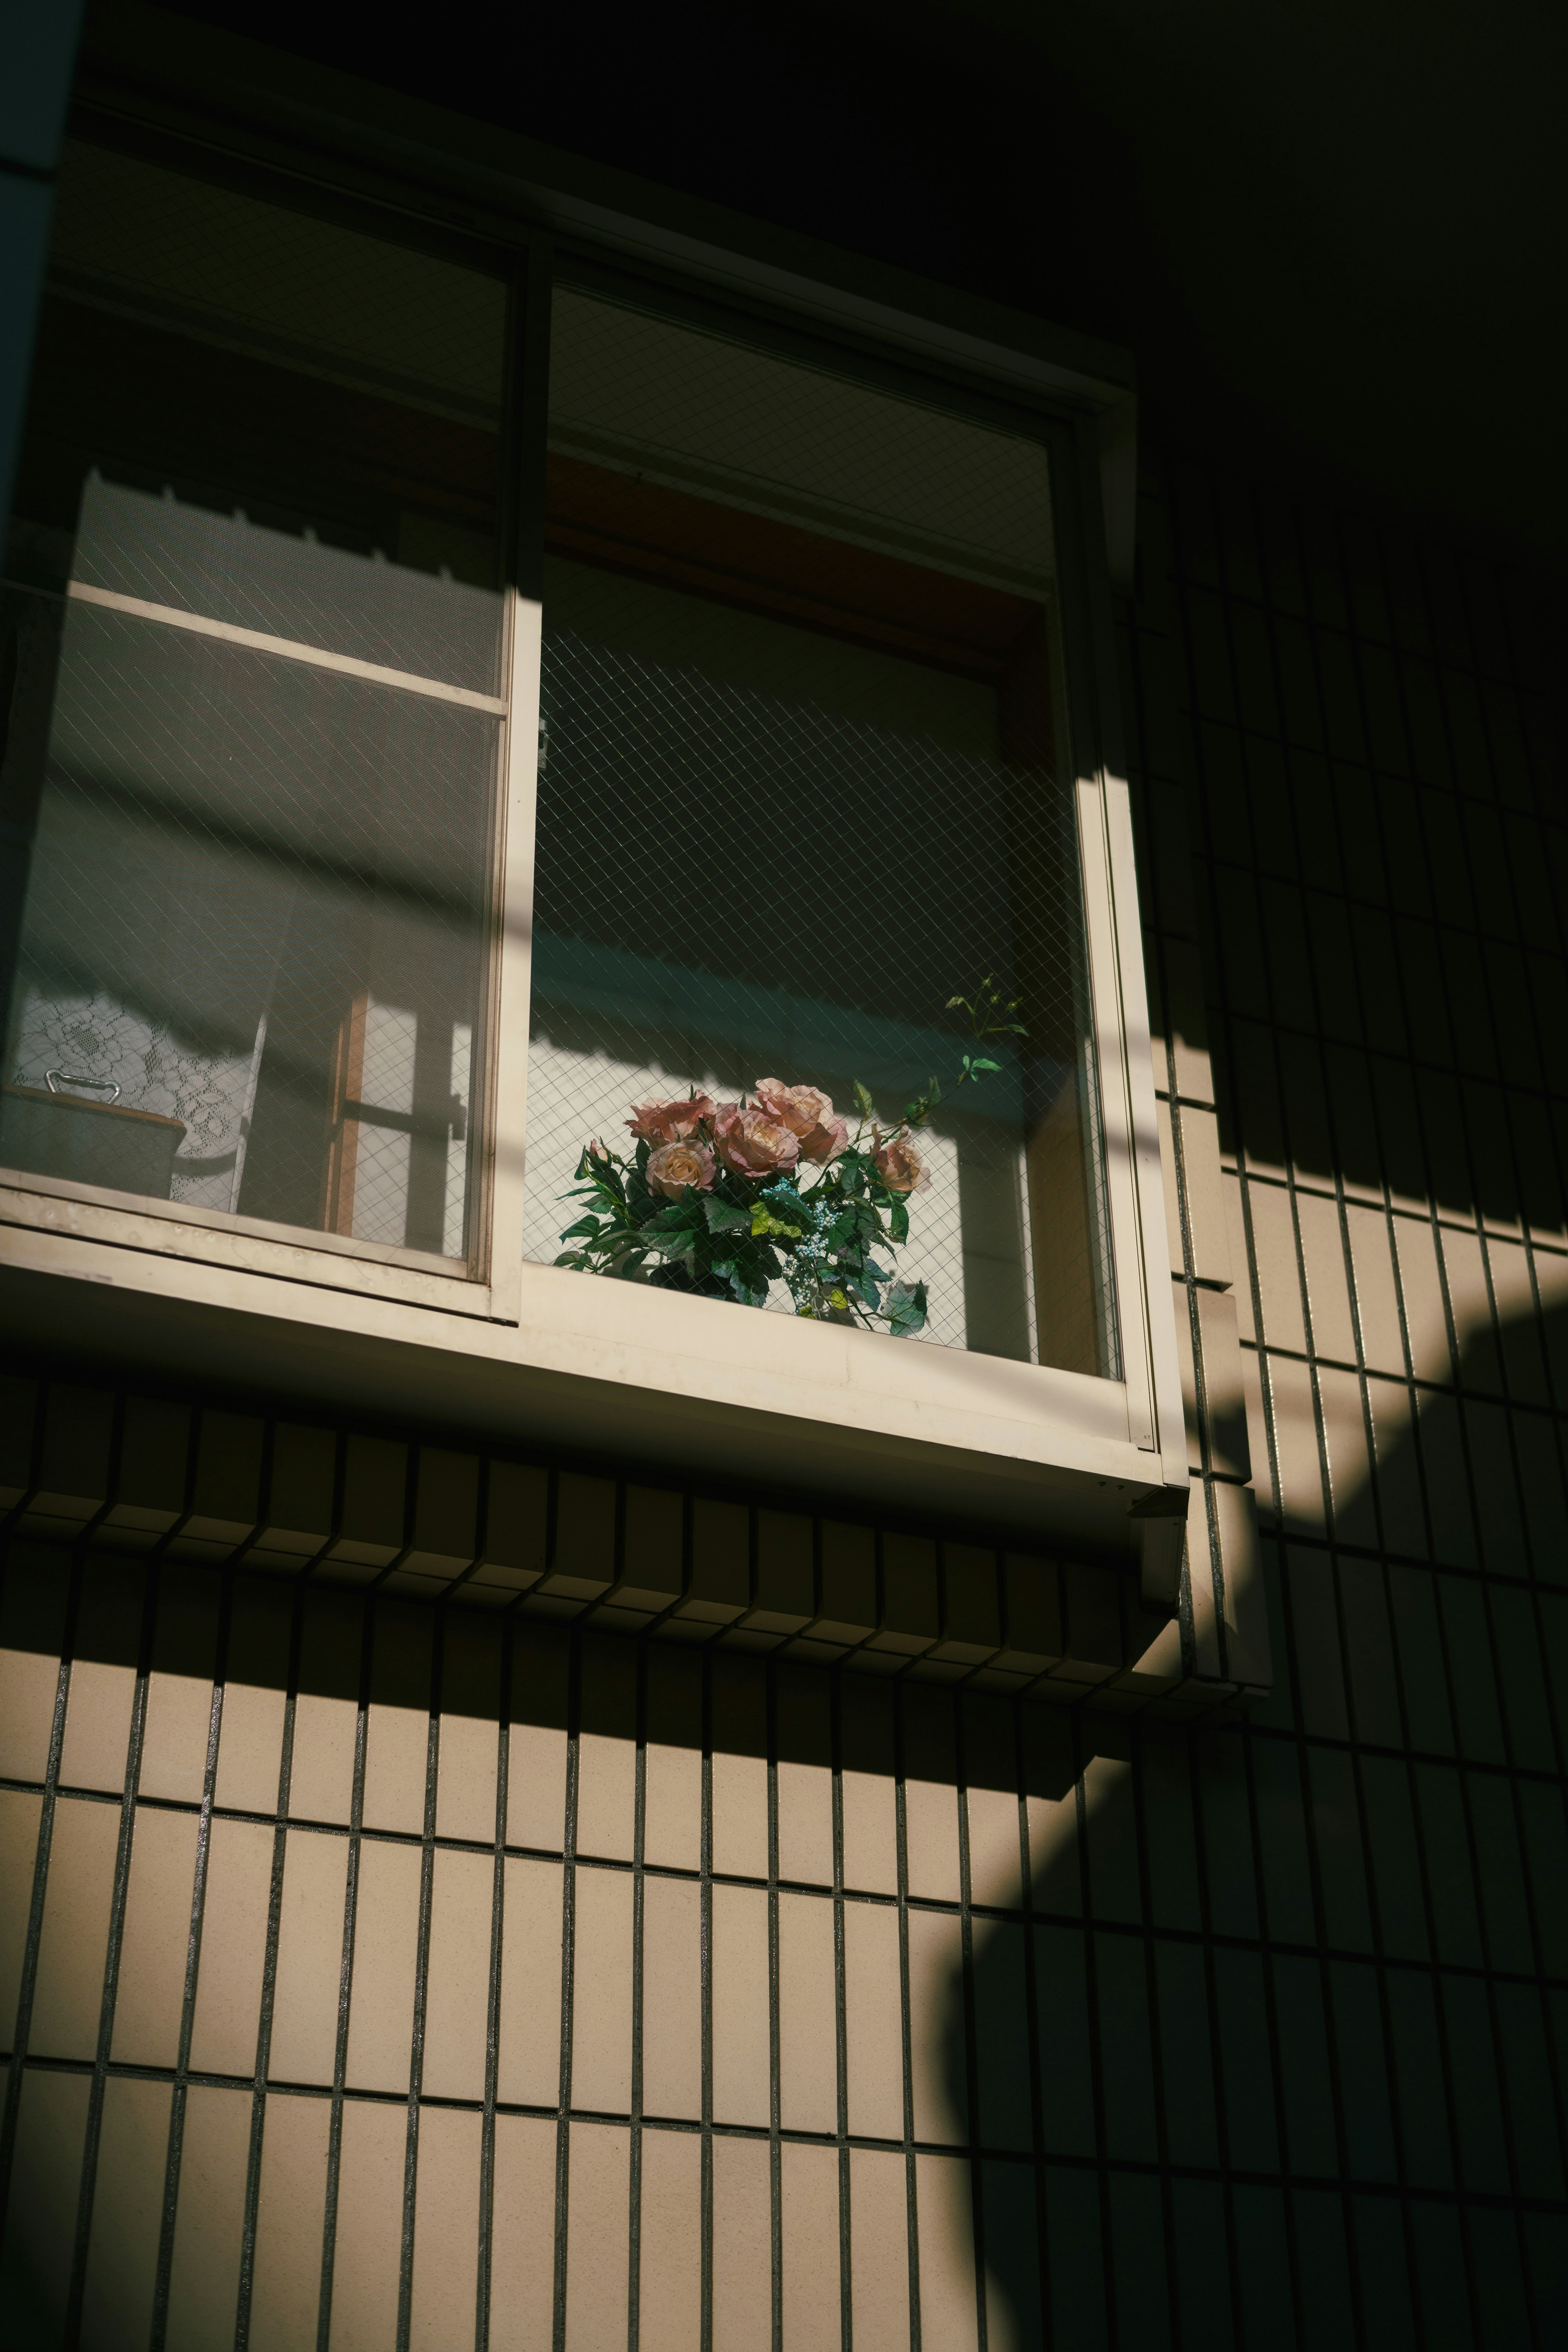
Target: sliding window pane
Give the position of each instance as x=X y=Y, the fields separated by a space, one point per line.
x=805 y=780
x=253 y=598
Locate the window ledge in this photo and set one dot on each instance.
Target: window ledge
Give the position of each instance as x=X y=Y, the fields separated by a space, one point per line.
x=285 y=1252
x=601 y=1367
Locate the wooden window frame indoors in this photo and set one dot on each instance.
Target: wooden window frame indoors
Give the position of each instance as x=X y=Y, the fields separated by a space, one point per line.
x=507 y=1344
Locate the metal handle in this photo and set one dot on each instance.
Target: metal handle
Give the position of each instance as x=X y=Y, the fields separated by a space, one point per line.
x=66 y=1079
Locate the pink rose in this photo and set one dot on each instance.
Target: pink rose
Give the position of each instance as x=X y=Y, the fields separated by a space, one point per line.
x=807 y=1113
x=670 y=1122
x=800 y=1108
x=675 y=1167
x=751 y=1143
x=827 y=1138
x=897 y=1163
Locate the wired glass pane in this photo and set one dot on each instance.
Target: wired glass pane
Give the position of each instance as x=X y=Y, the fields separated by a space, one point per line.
x=252 y=604
x=804 y=782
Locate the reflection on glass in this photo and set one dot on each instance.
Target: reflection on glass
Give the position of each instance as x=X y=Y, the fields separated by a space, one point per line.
x=800 y=787
x=251 y=598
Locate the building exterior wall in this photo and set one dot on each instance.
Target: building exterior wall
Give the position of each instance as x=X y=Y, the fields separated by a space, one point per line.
x=1354 y=734
x=878 y=1953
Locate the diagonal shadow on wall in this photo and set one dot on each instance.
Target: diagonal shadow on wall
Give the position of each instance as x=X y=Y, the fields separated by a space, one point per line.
x=1264 y=2070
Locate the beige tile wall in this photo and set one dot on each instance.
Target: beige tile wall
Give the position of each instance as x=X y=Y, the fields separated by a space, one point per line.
x=418 y=1978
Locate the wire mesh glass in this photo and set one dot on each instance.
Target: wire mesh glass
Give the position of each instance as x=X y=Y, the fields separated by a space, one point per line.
x=800 y=787
x=262 y=461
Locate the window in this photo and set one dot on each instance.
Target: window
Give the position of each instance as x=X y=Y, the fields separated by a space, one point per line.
x=387 y=847
x=253 y=587
x=803 y=705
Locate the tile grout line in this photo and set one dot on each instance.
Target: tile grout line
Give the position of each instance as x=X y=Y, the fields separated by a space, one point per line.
x=345 y=1984
x=906 y=2022
x=165 y=2252
x=840 y=2009
x=421 y=1979
x=269 y=1982
x=639 y=1988
x=775 y=2023
x=705 y=1964
x=505 y=1635
x=568 y=1958
x=17 y=2069
x=974 y=2164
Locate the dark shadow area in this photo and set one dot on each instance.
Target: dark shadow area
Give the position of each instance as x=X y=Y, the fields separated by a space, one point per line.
x=1348 y=751
x=1314 y=236
x=1321 y=1107
x=1274 y=1988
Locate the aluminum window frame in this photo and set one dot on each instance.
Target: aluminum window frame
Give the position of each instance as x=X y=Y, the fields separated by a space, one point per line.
x=360 y=1291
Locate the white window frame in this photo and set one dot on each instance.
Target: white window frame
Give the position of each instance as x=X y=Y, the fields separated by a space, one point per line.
x=611 y=1365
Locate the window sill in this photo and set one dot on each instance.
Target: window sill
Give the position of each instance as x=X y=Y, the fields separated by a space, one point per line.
x=285 y=1253
x=596 y=1366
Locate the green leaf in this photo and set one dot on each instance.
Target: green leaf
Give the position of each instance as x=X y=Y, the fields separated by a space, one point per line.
x=723 y=1217
x=748 y=1274
x=906 y=1309
x=863 y=1103
x=676 y=1217
x=898 y=1220
x=764 y=1221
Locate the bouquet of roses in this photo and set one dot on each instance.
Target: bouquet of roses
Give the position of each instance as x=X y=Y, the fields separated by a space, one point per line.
x=725 y=1198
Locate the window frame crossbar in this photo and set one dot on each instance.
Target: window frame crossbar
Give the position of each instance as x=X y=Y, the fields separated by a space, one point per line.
x=199 y=624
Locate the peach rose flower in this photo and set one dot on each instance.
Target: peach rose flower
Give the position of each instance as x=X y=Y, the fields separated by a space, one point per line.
x=675 y=1167
x=827 y=1138
x=800 y=1108
x=897 y=1163
x=751 y=1143
x=670 y=1122
x=808 y=1114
